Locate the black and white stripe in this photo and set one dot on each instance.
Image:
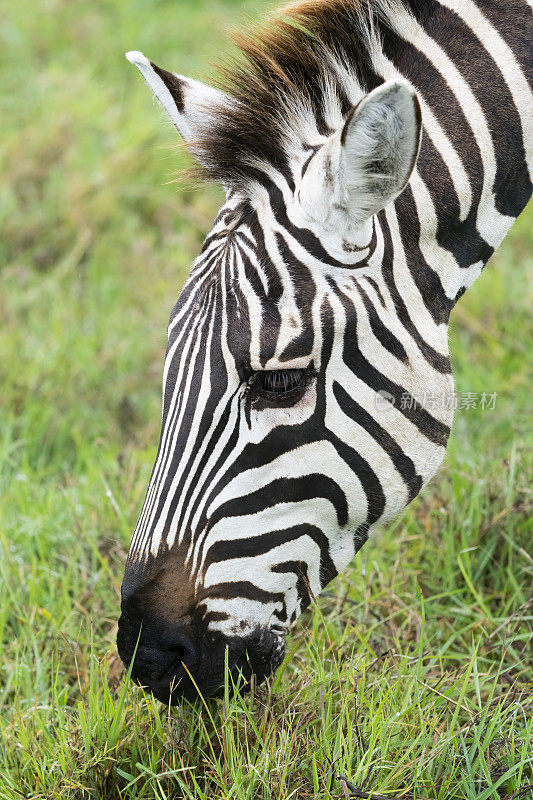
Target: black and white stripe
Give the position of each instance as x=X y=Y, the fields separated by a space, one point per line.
x=324 y=270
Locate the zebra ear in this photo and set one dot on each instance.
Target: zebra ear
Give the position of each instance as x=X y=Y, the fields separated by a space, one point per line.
x=366 y=164
x=187 y=102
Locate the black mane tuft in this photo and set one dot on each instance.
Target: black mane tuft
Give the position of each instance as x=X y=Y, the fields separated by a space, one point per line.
x=289 y=80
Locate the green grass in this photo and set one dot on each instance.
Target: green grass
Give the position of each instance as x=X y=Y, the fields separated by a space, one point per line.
x=412 y=675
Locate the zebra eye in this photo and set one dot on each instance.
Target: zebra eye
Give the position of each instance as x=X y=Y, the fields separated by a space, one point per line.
x=279 y=384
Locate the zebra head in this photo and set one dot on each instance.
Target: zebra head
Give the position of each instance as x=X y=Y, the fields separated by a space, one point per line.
x=289 y=429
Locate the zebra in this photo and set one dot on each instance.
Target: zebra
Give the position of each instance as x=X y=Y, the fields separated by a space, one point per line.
x=374 y=153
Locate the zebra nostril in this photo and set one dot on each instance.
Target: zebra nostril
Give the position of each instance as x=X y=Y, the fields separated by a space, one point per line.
x=183 y=648
x=158 y=650
x=160 y=665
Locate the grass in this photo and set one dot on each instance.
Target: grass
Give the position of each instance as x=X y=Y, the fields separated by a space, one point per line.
x=412 y=674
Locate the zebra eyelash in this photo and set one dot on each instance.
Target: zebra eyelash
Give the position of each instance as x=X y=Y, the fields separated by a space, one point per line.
x=278 y=386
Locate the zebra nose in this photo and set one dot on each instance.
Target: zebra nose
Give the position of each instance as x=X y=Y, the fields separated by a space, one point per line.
x=164 y=656
x=175 y=661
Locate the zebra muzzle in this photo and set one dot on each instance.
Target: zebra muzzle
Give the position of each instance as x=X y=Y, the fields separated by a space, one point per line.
x=180 y=660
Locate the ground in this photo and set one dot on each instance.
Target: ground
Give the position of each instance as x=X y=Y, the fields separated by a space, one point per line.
x=412 y=675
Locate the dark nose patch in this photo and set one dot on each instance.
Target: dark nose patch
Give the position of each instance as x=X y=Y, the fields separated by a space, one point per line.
x=161 y=651
x=177 y=660
x=175 y=654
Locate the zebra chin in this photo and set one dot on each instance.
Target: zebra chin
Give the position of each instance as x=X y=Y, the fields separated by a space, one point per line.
x=182 y=660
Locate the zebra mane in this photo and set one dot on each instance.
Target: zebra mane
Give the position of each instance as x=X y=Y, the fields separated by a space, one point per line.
x=297 y=76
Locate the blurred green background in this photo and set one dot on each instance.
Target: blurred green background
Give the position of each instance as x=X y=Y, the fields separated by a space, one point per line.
x=96 y=240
